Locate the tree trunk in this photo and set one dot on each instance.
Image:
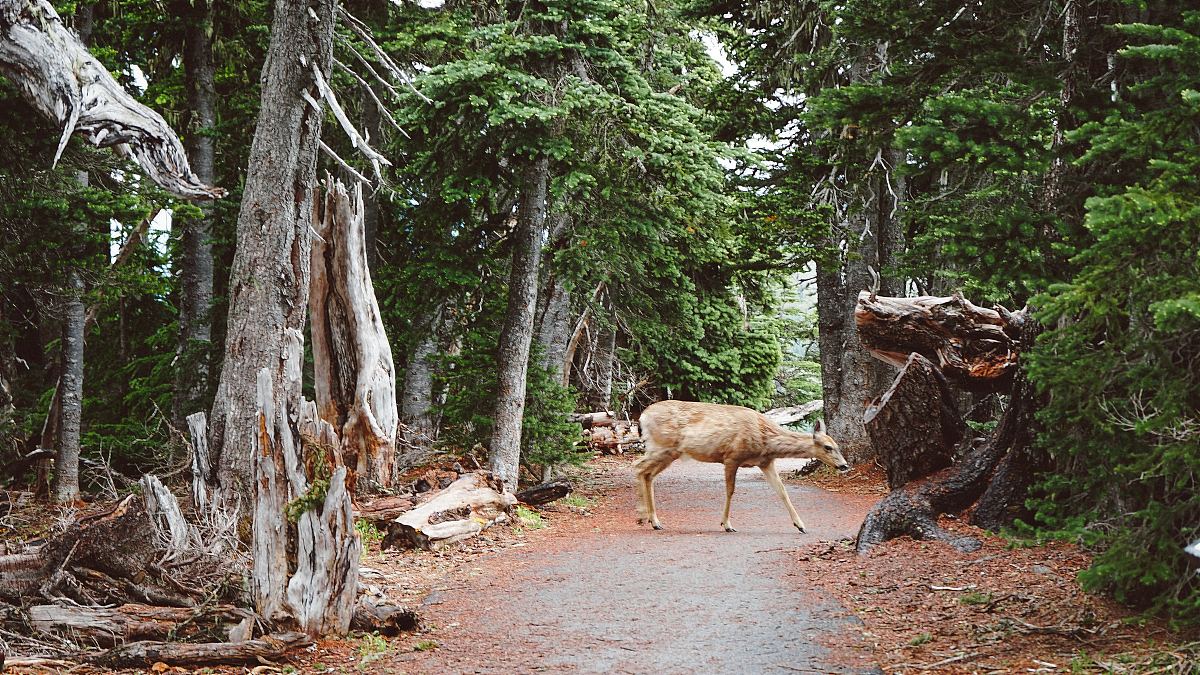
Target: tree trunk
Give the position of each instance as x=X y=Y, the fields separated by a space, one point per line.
x=603 y=358
x=352 y=359
x=57 y=76
x=554 y=324
x=915 y=424
x=65 y=485
x=515 y=337
x=269 y=281
x=913 y=509
x=196 y=266
x=416 y=409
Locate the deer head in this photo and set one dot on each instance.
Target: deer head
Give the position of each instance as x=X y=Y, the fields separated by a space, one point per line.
x=826 y=449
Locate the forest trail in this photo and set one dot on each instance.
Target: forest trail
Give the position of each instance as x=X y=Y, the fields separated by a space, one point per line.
x=598 y=593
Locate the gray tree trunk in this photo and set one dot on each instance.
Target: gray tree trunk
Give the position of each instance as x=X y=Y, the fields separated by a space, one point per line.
x=269 y=281
x=553 y=322
x=515 y=337
x=871 y=237
x=416 y=401
x=195 y=320
x=604 y=357
x=65 y=485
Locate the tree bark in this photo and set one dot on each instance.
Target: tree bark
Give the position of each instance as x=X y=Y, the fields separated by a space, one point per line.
x=352 y=359
x=915 y=424
x=604 y=357
x=60 y=79
x=269 y=280
x=65 y=485
x=196 y=266
x=142 y=654
x=416 y=407
x=913 y=509
x=517 y=333
x=554 y=323
x=975 y=347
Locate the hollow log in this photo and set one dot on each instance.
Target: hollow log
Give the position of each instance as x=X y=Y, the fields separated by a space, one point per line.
x=355 y=379
x=544 y=493
x=140 y=654
x=61 y=80
x=915 y=424
x=975 y=347
x=468 y=506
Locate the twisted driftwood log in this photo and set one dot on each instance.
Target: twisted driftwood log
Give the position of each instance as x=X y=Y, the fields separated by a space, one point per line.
x=66 y=84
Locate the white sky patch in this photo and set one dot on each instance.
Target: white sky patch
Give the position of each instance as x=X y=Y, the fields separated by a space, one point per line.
x=157 y=235
x=717 y=53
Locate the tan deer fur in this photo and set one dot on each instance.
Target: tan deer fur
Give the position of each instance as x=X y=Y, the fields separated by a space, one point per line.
x=723 y=434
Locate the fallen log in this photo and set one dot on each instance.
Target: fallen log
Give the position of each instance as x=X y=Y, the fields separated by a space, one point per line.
x=915 y=424
x=790 y=414
x=544 y=493
x=973 y=346
x=383 y=509
x=115 y=625
x=374 y=612
x=268 y=648
x=602 y=418
x=468 y=506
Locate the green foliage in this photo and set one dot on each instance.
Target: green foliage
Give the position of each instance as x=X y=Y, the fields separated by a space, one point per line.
x=530 y=518
x=1122 y=361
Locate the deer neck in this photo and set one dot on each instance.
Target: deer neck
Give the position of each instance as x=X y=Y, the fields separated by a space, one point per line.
x=786 y=443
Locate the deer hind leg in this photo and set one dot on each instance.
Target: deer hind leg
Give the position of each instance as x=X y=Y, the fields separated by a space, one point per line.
x=730 y=481
x=772 y=477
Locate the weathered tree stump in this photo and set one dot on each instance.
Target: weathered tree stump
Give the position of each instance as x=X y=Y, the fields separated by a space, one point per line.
x=355 y=379
x=915 y=424
x=913 y=509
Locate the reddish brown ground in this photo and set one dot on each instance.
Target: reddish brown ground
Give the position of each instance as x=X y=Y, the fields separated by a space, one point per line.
x=592 y=592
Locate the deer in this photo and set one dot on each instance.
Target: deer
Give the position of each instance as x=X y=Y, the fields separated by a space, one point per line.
x=723 y=434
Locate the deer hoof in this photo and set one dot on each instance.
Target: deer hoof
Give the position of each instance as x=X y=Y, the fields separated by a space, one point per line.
x=657 y=526
x=802 y=530
x=641 y=521
x=729 y=529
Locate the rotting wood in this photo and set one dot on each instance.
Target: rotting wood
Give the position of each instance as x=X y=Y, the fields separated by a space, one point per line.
x=544 y=493
x=355 y=379
x=129 y=622
x=201 y=468
x=468 y=506
x=382 y=510
x=269 y=648
x=915 y=424
x=57 y=75
x=973 y=346
x=374 y=612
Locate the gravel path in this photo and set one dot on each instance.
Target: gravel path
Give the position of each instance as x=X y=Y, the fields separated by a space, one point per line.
x=599 y=594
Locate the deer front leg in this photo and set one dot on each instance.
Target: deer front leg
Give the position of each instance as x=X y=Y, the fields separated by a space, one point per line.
x=772 y=477
x=730 y=481
x=646 y=474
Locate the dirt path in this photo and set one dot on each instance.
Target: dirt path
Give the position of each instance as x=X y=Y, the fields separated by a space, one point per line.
x=597 y=593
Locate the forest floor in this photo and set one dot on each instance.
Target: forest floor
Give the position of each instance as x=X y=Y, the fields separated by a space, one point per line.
x=579 y=587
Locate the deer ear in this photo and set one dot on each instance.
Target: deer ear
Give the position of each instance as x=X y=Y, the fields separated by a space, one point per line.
x=819 y=427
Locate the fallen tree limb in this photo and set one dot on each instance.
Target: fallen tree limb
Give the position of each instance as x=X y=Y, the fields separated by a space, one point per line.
x=127 y=623
x=59 y=77
x=794 y=413
x=268 y=648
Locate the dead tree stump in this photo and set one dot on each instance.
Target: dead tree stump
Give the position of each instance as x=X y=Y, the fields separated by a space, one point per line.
x=915 y=424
